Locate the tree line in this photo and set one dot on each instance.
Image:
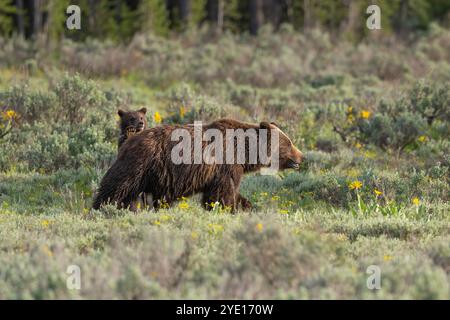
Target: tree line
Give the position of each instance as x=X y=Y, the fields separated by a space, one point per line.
x=121 y=19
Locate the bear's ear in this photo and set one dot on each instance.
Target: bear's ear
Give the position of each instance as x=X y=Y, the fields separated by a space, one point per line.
x=143 y=110
x=120 y=112
x=265 y=125
x=276 y=125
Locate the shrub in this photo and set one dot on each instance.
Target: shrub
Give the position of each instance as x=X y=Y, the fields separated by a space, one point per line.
x=186 y=107
x=430 y=100
x=30 y=105
x=61 y=148
x=75 y=97
x=397 y=133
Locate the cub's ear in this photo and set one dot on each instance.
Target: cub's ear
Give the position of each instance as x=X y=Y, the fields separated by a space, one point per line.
x=143 y=110
x=120 y=112
x=265 y=125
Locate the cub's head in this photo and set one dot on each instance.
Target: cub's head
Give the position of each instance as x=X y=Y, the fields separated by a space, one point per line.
x=132 y=122
x=289 y=156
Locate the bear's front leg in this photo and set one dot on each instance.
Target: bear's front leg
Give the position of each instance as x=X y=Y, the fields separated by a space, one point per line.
x=222 y=192
x=130 y=203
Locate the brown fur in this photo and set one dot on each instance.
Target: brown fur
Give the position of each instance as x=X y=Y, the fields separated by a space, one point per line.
x=144 y=165
x=131 y=123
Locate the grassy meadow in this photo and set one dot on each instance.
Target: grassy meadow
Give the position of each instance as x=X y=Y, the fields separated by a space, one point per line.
x=373 y=120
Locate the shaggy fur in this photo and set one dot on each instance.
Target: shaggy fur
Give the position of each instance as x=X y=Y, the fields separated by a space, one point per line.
x=144 y=165
x=131 y=123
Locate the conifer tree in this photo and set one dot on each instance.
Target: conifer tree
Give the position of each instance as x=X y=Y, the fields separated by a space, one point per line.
x=153 y=16
x=7 y=9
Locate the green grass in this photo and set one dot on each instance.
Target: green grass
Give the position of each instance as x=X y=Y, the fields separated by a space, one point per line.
x=190 y=253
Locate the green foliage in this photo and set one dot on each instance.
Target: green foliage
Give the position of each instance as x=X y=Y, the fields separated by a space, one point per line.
x=398 y=124
x=7 y=9
x=57 y=18
x=121 y=21
x=31 y=105
x=177 y=254
x=373 y=189
x=6 y=122
x=198 y=11
x=397 y=133
x=154 y=17
x=431 y=101
x=76 y=96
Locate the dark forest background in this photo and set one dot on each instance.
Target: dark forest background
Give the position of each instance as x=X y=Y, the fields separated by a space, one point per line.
x=121 y=20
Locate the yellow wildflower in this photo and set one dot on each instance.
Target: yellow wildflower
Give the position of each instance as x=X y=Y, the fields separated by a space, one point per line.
x=275 y=198
x=365 y=114
x=370 y=154
x=163 y=205
x=182 y=111
x=387 y=258
x=264 y=194
x=9 y=115
x=416 y=201
x=157 y=222
x=259 y=227
x=183 y=205
x=45 y=223
x=355 y=185
x=283 y=211
x=422 y=138
x=194 y=235
x=358 y=145
x=213 y=204
x=157 y=117
x=377 y=192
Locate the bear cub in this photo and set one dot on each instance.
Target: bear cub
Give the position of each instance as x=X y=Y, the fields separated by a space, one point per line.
x=131 y=123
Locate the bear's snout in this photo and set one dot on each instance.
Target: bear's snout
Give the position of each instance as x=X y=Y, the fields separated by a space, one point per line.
x=296 y=159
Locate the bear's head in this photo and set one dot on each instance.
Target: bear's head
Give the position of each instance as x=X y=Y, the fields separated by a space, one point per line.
x=290 y=157
x=132 y=122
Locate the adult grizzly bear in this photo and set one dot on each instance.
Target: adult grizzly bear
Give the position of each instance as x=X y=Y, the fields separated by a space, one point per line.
x=146 y=163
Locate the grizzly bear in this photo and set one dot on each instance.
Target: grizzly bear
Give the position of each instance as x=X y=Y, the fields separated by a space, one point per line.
x=131 y=122
x=146 y=164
